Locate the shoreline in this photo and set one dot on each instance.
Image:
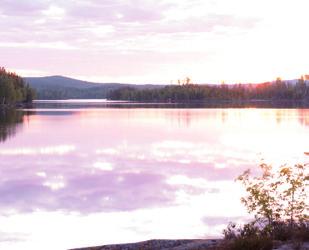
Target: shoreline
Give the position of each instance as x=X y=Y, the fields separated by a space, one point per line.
x=16 y=105
x=159 y=244
x=254 y=103
x=186 y=244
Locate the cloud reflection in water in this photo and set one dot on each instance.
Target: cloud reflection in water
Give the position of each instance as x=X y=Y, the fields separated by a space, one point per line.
x=149 y=164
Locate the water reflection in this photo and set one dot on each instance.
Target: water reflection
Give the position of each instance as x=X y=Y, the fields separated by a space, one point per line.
x=11 y=121
x=136 y=171
x=99 y=103
x=120 y=160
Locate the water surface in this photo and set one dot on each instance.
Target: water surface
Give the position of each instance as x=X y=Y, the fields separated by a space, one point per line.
x=83 y=175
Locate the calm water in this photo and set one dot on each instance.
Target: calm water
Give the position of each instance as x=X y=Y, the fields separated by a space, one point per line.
x=82 y=175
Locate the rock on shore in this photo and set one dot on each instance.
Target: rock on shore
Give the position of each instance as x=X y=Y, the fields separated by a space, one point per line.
x=194 y=244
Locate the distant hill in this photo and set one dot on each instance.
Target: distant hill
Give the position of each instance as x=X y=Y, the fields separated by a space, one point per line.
x=60 y=87
x=59 y=81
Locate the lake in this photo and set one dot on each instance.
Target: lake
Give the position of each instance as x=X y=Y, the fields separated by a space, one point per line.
x=77 y=174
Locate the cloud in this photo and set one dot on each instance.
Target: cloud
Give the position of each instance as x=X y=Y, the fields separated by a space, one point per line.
x=216 y=31
x=152 y=34
x=51 y=150
x=70 y=22
x=44 y=45
x=117 y=11
x=12 y=237
x=22 y=7
x=219 y=220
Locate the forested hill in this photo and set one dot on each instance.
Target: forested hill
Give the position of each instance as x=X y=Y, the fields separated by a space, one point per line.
x=278 y=90
x=13 y=89
x=60 y=87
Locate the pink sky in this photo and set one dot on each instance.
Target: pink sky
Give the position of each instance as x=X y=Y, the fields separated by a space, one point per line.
x=155 y=40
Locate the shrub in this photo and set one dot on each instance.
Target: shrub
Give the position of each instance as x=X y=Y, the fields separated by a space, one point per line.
x=279 y=202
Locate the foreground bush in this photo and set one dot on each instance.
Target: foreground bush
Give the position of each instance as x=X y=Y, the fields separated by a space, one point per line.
x=280 y=204
x=277 y=196
x=249 y=236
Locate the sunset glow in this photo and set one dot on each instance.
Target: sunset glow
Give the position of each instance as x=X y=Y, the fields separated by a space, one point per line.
x=156 y=41
x=154 y=122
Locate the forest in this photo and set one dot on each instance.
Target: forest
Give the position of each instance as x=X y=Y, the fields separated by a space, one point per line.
x=13 y=89
x=61 y=87
x=277 y=90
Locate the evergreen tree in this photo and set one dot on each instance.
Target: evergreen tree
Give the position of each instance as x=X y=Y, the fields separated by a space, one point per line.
x=13 y=89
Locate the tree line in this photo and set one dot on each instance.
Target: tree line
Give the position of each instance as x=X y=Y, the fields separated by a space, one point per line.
x=13 y=89
x=277 y=90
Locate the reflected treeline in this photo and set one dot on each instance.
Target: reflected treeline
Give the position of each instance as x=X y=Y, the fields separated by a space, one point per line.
x=10 y=121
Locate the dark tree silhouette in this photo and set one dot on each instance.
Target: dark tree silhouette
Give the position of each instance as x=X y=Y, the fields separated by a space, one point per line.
x=13 y=89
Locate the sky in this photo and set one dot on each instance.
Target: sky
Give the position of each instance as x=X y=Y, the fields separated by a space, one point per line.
x=156 y=41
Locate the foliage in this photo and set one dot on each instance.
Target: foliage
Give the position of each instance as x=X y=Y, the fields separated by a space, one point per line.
x=256 y=236
x=250 y=236
x=279 y=201
x=279 y=90
x=283 y=231
x=277 y=196
x=13 y=89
